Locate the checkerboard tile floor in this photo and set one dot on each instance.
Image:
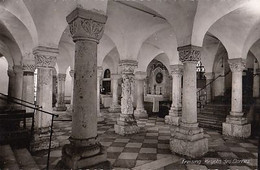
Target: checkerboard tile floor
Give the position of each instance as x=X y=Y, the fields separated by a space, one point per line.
x=149 y=149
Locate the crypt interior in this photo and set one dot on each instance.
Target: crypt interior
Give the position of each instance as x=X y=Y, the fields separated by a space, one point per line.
x=139 y=84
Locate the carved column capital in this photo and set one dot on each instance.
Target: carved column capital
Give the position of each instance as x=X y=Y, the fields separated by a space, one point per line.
x=29 y=66
x=18 y=69
x=45 y=56
x=140 y=75
x=72 y=73
x=61 y=77
x=176 y=69
x=237 y=64
x=10 y=73
x=86 y=24
x=128 y=66
x=209 y=75
x=189 y=53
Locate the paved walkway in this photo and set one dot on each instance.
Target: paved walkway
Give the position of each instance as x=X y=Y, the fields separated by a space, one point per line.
x=149 y=149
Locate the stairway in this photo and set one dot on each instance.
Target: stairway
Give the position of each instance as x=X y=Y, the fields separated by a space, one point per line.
x=16 y=159
x=213 y=115
x=12 y=131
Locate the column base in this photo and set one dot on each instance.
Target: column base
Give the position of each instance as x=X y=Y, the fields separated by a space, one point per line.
x=140 y=113
x=114 y=109
x=236 y=127
x=60 y=108
x=41 y=140
x=83 y=157
x=189 y=141
x=174 y=117
x=126 y=124
x=172 y=120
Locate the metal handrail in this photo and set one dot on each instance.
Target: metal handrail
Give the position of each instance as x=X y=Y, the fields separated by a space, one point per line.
x=198 y=92
x=20 y=100
x=40 y=110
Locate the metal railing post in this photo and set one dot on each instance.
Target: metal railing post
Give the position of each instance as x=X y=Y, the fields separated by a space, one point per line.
x=49 y=150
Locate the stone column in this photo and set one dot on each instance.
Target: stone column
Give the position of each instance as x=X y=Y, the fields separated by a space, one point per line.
x=45 y=59
x=99 y=74
x=60 y=105
x=84 y=150
x=71 y=93
x=140 y=78
x=209 y=78
x=175 y=112
x=11 y=83
x=236 y=125
x=126 y=123
x=115 y=107
x=15 y=86
x=188 y=139
x=256 y=80
x=28 y=82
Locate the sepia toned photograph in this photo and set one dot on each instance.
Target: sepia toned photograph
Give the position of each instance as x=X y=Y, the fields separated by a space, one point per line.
x=129 y=84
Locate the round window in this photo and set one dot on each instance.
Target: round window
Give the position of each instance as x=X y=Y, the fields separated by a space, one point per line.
x=159 y=78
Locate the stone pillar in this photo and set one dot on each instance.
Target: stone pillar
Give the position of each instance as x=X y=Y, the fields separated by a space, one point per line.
x=15 y=86
x=175 y=112
x=236 y=125
x=115 y=107
x=256 y=80
x=99 y=74
x=71 y=93
x=60 y=105
x=140 y=78
x=84 y=150
x=28 y=83
x=209 y=78
x=45 y=59
x=188 y=139
x=126 y=123
x=11 y=83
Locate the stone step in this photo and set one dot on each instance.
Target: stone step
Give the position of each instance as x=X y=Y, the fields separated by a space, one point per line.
x=7 y=158
x=211 y=120
x=212 y=116
x=25 y=160
x=215 y=114
x=19 y=138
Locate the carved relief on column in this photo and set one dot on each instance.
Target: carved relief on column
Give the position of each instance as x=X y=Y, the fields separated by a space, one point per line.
x=45 y=56
x=28 y=67
x=126 y=123
x=127 y=67
x=115 y=107
x=86 y=25
x=189 y=53
x=175 y=112
x=237 y=64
